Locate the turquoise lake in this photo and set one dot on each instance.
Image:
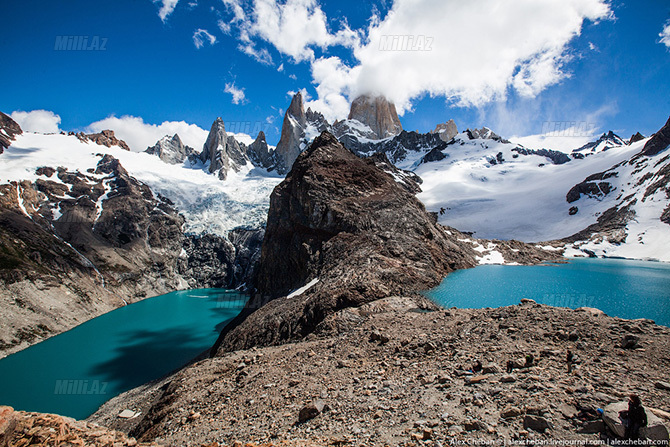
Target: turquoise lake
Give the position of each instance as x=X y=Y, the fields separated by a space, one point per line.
x=620 y=288
x=75 y=372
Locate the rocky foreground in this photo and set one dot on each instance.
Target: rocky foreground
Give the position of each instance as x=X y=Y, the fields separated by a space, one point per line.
x=361 y=358
x=401 y=377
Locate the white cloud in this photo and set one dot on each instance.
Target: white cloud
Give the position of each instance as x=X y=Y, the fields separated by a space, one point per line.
x=292 y=27
x=237 y=93
x=477 y=52
x=280 y=68
x=43 y=121
x=140 y=135
x=167 y=6
x=200 y=36
x=665 y=35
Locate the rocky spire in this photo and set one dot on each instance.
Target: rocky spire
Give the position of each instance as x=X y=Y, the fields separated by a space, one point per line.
x=378 y=114
x=446 y=131
x=9 y=129
x=222 y=151
x=298 y=130
x=170 y=149
x=292 y=132
x=259 y=152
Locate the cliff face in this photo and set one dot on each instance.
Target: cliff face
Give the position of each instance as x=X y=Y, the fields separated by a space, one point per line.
x=9 y=129
x=344 y=221
x=378 y=114
x=74 y=245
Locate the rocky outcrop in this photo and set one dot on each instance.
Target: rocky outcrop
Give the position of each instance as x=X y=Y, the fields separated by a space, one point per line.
x=104 y=138
x=484 y=134
x=342 y=220
x=43 y=430
x=298 y=130
x=207 y=261
x=636 y=137
x=655 y=429
x=556 y=157
x=447 y=130
x=171 y=150
x=227 y=263
x=9 y=129
x=659 y=142
x=260 y=154
x=74 y=245
x=222 y=152
x=606 y=141
x=378 y=114
x=247 y=243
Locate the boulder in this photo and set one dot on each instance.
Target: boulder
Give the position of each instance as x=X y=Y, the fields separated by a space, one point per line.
x=536 y=423
x=311 y=411
x=655 y=430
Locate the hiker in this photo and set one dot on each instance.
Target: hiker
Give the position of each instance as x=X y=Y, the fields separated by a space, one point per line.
x=530 y=360
x=634 y=418
x=477 y=366
x=510 y=366
x=570 y=358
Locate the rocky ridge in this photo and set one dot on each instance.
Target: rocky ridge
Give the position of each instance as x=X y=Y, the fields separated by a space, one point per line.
x=398 y=377
x=343 y=224
x=76 y=244
x=103 y=138
x=640 y=184
x=9 y=129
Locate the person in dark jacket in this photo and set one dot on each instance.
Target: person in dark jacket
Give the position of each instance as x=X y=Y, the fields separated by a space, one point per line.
x=634 y=418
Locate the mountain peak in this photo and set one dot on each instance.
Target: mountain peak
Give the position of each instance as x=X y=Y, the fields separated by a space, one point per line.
x=378 y=114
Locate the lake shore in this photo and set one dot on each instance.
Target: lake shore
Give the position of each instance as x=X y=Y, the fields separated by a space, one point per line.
x=389 y=375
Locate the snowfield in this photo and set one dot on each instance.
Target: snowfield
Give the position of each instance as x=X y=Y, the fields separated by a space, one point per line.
x=524 y=198
x=209 y=204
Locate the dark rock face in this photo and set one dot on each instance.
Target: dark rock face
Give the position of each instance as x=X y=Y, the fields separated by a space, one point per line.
x=434 y=155
x=171 y=150
x=104 y=138
x=222 y=151
x=247 y=243
x=341 y=219
x=378 y=114
x=592 y=186
x=9 y=129
x=208 y=261
x=260 y=154
x=556 y=157
x=485 y=134
x=636 y=137
x=294 y=138
x=397 y=148
x=658 y=142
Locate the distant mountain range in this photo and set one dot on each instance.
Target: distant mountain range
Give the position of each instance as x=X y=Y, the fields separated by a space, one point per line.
x=80 y=213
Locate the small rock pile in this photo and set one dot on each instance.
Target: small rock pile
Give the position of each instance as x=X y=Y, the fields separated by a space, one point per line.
x=19 y=429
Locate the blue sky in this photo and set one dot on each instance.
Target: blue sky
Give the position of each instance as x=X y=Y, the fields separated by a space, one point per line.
x=613 y=75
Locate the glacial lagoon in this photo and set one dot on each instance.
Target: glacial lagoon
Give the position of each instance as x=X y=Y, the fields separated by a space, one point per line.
x=75 y=372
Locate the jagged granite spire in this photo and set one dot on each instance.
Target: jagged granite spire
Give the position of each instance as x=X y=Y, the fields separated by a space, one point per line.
x=222 y=151
x=378 y=114
x=170 y=149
